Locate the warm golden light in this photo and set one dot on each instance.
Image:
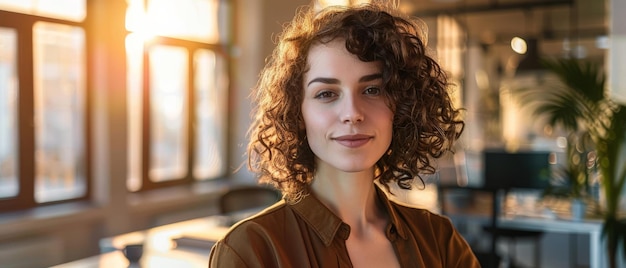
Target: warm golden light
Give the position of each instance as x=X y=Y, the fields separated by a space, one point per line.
x=168 y=102
x=73 y=10
x=134 y=67
x=136 y=21
x=326 y=3
x=188 y=20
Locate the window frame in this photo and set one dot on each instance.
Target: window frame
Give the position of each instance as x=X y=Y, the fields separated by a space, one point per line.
x=191 y=47
x=26 y=140
x=26 y=143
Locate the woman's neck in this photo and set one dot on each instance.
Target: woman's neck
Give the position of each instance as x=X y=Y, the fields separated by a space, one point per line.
x=351 y=196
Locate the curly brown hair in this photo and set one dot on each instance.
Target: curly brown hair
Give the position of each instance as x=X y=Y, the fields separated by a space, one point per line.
x=425 y=123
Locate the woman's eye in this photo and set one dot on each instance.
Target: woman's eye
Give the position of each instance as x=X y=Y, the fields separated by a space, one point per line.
x=325 y=95
x=372 y=91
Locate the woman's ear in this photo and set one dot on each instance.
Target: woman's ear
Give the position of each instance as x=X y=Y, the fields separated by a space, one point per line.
x=301 y=125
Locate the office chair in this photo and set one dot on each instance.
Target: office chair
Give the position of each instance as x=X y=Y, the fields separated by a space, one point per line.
x=245 y=197
x=504 y=171
x=511 y=235
x=492 y=258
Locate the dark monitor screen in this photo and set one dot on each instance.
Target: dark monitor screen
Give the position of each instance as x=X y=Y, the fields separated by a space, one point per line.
x=528 y=169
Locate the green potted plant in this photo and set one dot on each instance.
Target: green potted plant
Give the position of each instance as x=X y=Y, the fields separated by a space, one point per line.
x=564 y=108
x=573 y=179
x=579 y=104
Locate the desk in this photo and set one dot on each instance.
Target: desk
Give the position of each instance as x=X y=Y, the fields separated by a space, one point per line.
x=160 y=250
x=592 y=227
x=522 y=211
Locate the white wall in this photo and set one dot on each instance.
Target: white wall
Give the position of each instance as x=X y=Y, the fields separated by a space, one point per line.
x=257 y=24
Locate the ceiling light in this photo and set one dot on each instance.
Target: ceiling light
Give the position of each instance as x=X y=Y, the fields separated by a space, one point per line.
x=518 y=45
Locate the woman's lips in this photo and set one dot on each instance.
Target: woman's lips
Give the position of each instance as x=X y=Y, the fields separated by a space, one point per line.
x=353 y=141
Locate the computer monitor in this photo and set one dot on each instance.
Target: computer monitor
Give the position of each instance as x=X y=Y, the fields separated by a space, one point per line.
x=506 y=170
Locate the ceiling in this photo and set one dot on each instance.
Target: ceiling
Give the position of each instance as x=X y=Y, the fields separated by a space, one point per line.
x=495 y=22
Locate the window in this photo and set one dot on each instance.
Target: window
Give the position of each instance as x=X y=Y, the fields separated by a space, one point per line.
x=177 y=91
x=8 y=113
x=43 y=153
x=177 y=88
x=210 y=91
x=70 y=10
x=59 y=95
x=168 y=121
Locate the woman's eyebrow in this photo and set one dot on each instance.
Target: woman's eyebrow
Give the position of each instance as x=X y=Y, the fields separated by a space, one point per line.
x=327 y=80
x=371 y=77
x=324 y=80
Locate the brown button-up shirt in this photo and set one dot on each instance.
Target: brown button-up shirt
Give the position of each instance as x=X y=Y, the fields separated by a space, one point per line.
x=308 y=234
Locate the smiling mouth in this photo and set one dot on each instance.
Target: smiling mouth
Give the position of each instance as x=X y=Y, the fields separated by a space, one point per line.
x=353 y=141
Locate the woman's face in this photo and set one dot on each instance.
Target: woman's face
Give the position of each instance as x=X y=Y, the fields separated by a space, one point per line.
x=347 y=119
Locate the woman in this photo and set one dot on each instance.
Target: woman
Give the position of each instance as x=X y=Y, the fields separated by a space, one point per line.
x=349 y=97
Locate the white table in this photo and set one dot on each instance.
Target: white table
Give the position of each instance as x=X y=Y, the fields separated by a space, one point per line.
x=160 y=246
x=523 y=210
x=592 y=227
x=160 y=249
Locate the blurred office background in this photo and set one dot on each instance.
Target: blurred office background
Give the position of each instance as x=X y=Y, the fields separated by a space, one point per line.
x=123 y=115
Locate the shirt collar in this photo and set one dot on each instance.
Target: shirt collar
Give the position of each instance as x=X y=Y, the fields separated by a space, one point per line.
x=326 y=224
x=392 y=210
x=323 y=221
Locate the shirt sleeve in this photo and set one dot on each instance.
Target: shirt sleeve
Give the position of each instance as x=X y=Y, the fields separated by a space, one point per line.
x=247 y=244
x=458 y=252
x=223 y=255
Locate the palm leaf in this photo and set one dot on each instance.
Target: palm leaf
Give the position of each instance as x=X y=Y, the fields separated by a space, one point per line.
x=614 y=229
x=578 y=92
x=583 y=77
x=609 y=146
x=563 y=109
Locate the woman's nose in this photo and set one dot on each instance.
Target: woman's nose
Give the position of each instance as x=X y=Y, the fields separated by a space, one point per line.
x=352 y=111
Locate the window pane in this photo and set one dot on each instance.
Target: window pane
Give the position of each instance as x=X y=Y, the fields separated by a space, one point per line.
x=8 y=113
x=211 y=82
x=134 y=64
x=72 y=10
x=168 y=117
x=59 y=59
x=195 y=20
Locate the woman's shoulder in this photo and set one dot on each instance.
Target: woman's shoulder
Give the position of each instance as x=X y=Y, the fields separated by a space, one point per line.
x=265 y=219
x=254 y=241
x=421 y=214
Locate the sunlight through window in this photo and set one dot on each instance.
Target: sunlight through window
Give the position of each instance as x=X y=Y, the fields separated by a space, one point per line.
x=185 y=78
x=8 y=113
x=168 y=117
x=193 y=20
x=59 y=59
x=210 y=94
x=134 y=68
x=72 y=10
